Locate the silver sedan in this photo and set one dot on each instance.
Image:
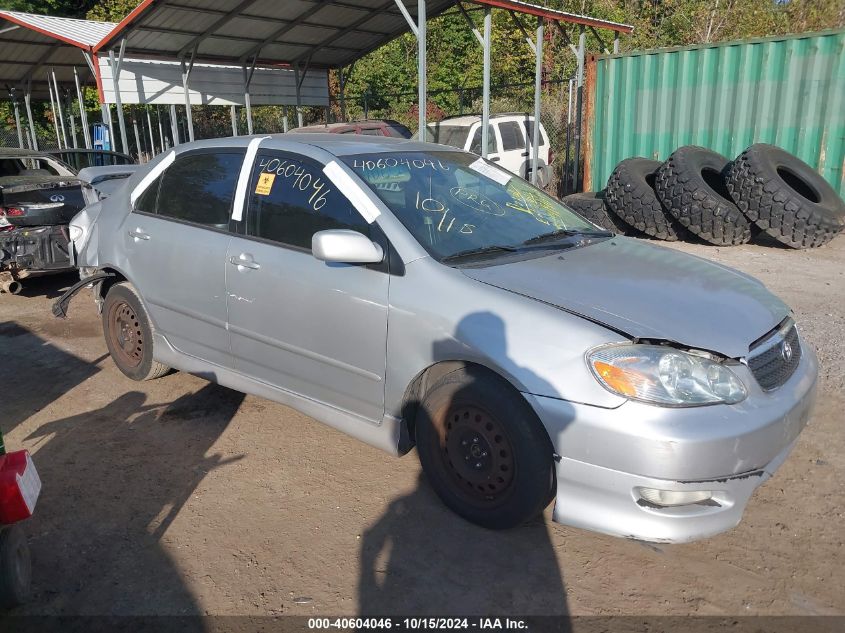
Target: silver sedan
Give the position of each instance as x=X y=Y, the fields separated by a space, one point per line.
x=411 y=294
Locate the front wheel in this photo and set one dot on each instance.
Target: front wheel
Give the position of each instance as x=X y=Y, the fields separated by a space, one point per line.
x=484 y=451
x=129 y=334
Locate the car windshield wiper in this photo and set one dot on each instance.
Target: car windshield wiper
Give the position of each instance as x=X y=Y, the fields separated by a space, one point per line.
x=553 y=235
x=483 y=250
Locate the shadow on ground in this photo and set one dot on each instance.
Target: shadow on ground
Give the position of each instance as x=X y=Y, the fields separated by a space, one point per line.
x=48 y=286
x=94 y=553
x=35 y=373
x=419 y=558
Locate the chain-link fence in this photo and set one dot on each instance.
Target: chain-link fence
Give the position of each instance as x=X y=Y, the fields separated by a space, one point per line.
x=149 y=129
x=9 y=138
x=557 y=115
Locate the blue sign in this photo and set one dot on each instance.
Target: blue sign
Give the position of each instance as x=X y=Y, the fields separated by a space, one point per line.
x=102 y=138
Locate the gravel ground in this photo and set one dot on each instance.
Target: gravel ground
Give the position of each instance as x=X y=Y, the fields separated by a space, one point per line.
x=179 y=497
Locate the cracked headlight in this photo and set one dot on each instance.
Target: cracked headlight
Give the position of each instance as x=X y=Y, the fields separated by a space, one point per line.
x=664 y=376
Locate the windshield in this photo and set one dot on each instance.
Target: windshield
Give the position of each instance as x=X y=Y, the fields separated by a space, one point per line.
x=455 y=202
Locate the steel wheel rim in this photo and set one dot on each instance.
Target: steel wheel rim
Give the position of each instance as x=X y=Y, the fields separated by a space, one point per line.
x=125 y=334
x=477 y=454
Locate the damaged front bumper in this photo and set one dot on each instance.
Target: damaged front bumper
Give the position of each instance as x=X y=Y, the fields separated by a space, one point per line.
x=707 y=461
x=35 y=249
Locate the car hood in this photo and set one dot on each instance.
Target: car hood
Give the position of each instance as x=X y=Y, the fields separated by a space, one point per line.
x=647 y=291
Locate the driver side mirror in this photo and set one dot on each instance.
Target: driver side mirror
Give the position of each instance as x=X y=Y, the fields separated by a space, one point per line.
x=343 y=246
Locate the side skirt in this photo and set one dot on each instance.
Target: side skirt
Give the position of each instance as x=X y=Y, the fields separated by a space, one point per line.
x=384 y=435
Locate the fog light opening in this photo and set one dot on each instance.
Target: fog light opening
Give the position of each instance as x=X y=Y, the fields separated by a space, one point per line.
x=674 y=498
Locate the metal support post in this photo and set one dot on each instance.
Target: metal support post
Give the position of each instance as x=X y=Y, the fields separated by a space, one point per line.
x=174 y=125
x=55 y=115
x=485 y=95
x=186 y=74
x=83 y=115
x=27 y=101
x=422 y=66
x=118 y=102
x=579 y=103
x=538 y=94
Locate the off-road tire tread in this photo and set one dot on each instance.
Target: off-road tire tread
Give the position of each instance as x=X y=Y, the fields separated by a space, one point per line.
x=634 y=204
x=774 y=207
x=590 y=205
x=695 y=205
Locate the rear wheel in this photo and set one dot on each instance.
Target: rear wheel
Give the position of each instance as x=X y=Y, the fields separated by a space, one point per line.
x=483 y=449
x=129 y=334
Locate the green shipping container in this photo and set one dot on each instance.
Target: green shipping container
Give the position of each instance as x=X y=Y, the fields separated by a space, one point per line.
x=787 y=91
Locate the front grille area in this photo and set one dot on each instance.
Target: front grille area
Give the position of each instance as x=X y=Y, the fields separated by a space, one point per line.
x=776 y=359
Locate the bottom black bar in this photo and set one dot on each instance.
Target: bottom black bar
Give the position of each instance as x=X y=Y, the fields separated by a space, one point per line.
x=493 y=624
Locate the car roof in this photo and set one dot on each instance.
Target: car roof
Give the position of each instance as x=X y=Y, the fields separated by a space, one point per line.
x=340 y=125
x=82 y=150
x=14 y=152
x=336 y=144
x=469 y=119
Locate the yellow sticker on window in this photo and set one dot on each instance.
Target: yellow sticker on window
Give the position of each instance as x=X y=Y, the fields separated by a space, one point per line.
x=265 y=184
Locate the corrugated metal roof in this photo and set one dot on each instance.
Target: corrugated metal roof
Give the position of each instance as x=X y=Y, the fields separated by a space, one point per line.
x=31 y=46
x=323 y=33
x=84 y=33
x=279 y=32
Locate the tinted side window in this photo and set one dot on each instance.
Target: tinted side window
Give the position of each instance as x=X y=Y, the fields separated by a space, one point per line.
x=199 y=188
x=529 y=133
x=399 y=131
x=147 y=201
x=511 y=135
x=475 y=147
x=371 y=131
x=290 y=199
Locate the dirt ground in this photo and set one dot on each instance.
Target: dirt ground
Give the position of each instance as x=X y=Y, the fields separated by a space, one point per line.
x=181 y=497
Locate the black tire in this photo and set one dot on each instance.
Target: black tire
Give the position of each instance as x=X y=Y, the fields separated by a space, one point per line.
x=785 y=197
x=471 y=417
x=15 y=567
x=590 y=206
x=129 y=334
x=691 y=186
x=630 y=197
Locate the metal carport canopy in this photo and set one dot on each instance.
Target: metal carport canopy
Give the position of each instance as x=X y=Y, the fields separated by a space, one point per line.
x=321 y=33
x=305 y=34
x=39 y=50
x=30 y=43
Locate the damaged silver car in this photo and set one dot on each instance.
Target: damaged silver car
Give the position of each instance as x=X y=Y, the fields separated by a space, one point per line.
x=411 y=294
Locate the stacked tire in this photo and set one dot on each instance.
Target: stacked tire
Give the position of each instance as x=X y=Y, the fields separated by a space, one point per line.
x=784 y=197
x=698 y=193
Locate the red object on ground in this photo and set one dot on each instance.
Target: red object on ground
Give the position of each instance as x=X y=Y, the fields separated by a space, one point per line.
x=19 y=487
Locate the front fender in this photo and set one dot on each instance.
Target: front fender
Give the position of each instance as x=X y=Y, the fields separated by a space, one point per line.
x=438 y=314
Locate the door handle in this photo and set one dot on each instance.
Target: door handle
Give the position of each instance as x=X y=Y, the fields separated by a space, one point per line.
x=244 y=260
x=494 y=159
x=139 y=234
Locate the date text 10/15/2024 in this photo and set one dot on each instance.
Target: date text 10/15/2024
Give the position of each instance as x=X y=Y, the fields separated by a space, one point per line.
x=419 y=623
